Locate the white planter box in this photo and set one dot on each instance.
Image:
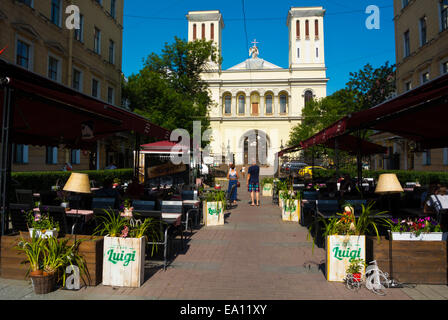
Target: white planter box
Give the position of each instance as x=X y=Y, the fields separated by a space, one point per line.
x=124 y=261
x=340 y=250
x=43 y=233
x=409 y=236
x=291 y=210
x=267 y=190
x=214 y=213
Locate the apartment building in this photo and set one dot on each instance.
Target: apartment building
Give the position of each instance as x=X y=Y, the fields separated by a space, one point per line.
x=36 y=36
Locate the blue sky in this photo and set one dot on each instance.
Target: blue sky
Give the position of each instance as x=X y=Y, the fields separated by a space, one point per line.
x=349 y=45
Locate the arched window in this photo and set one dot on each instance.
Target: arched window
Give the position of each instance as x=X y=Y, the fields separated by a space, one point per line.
x=307 y=29
x=308 y=96
x=227 y=104
x=316 y=28
x=255 y=103
x=268 y=102
x=203 y=31
x=194 y=31
x=283 y=103
x=298 y=29
x=212 y=31
x=241 y=104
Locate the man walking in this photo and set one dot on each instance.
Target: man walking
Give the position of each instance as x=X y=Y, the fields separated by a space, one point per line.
x=253 y=183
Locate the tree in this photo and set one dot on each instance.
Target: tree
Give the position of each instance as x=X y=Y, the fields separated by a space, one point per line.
x=169 y=90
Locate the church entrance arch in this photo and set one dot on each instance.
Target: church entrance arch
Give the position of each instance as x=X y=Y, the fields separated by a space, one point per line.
x=254 y=144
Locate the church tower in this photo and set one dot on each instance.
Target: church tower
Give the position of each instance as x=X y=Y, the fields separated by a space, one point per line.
x=306 y=37
x=206 y=25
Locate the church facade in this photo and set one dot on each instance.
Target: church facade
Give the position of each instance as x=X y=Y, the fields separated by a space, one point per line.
x=256 y=102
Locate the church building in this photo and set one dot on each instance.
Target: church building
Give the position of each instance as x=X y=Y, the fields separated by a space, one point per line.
x=256 y=102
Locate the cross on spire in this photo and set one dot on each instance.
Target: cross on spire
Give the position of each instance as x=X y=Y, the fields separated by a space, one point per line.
x=254 y=42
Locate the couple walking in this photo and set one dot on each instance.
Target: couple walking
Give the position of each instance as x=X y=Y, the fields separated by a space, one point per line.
x=253 y=183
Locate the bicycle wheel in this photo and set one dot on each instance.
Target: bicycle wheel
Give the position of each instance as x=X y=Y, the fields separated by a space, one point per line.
x=379 y=290
x=351 y=284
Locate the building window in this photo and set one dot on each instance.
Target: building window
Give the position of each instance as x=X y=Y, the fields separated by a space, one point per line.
x=23 y=56
x=77 y=80
x=20 y=153
x=227 y=104
x=113 y=4
x=111 y=51
x=212 y=31
x=404 y=3
x=426 y=158
x=97 y=41
x=56 y=12
x=29 y=3
x=407 y=47
x=316 y=28
x=283 y=103
x=298 y=52
x=423 y=39
x=298 y=29
x=194 y=31
x=110 y=95
x=51 y=155
x=307 y=29
x=268 y=101
x=408 y=86
x=95 y=88
x=308 y=96
x=444 y=14
x=317 y=52
x=79 y=33
x=54 y=69
x=75 y=156
x=425 y=77
x=203 y=31
x=241 y=104
x=445 y=67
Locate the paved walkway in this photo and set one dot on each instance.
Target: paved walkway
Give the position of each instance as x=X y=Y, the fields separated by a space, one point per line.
x=254 y=256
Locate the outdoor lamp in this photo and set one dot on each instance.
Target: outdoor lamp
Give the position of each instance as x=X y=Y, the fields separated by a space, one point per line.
x=388 y=183
x=78 y=182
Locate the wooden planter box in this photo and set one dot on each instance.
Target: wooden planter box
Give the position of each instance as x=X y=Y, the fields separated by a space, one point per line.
x=340 y=250
x=91 y=249
x=267 y=190
x=418 y=262
x=213 y=213
x=124 y=262
x=291 y=211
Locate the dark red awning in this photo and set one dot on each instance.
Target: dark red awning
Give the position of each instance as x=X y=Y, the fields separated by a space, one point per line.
x=48 y=113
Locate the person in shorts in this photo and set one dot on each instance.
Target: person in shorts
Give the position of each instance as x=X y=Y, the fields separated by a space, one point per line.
x=253 y=183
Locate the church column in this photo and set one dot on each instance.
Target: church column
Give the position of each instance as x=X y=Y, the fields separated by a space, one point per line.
x=262 y=105
x=276 y=102
x=247 y=106
x=234 y=106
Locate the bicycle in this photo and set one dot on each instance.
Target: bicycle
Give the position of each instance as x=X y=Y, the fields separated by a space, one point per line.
x=375 y=280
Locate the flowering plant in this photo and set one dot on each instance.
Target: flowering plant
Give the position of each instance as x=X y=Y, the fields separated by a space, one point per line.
x=40 y=221
x=416 y=226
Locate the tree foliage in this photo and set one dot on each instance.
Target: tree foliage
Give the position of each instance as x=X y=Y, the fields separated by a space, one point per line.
x=169 y=90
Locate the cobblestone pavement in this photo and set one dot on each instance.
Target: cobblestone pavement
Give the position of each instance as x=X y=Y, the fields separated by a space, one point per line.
x=254 y=256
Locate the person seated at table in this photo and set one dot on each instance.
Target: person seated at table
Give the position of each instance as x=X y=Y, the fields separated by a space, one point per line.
x=108 y=190
x=435 y=190
x=135 y=190
x=346 y=184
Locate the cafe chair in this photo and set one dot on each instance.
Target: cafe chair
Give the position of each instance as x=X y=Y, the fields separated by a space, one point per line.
x=325 y=209
x=18 y=212
x=103 y=203
x=308 y=207
x=57 y=213
x=143 y=205
x=177 y=207
x=192 y=195
x=24 y=196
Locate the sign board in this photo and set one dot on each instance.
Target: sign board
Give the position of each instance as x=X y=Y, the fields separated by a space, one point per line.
x=291 y=210
x=123 y=261
x=267 y=190
x=341 y=250
x=214 y=214
x=165 y=169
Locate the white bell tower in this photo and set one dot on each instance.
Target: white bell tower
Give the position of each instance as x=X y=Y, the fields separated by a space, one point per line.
x=206 y=25
x=306 y=37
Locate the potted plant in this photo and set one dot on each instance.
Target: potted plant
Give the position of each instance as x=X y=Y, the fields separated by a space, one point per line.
x=418 y=229
x=291 y=207
x=127 y=208
x=266 y=184
x=116 y=183
x=345 y=238
x=124 y=250
x=284 y=188
x=63 y=197
x=214 y=207
x=356 y=269
x=41 y=224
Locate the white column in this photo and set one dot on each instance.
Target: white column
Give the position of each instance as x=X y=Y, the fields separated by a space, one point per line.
x=234 y=106
x=275 y=104
x=261 y=106
x=247 y=106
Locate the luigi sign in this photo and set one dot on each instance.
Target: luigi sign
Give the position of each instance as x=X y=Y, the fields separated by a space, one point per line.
x=213 y=213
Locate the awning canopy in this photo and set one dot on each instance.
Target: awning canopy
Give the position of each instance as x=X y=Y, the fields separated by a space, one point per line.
x=420 y=115
x=48 y=113
x=162 y=147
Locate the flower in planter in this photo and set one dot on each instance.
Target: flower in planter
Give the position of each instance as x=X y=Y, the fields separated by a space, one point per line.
x=124 y=232
x=415 y=226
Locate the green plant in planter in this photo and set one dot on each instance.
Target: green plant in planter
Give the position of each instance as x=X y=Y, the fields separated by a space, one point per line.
x=289 y=199
x=40 y=221
x=356 y=266
x=33 y=251
x=267 y=180
x=110 y=224
x=150 y=228
x=217 y=196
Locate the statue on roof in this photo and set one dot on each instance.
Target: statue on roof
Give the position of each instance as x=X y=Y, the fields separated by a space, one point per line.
x=253 y=51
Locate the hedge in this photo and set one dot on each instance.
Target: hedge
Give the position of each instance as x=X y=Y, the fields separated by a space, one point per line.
x=423 y=177
x=43 y=180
